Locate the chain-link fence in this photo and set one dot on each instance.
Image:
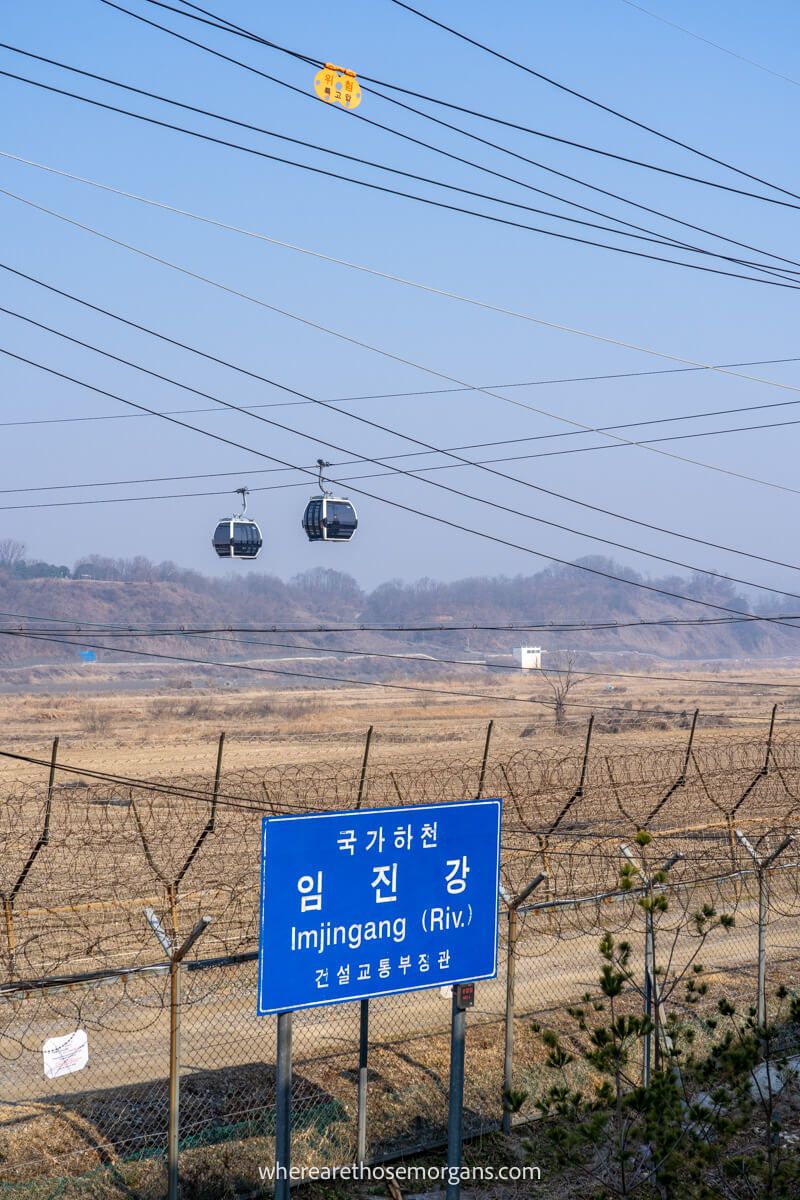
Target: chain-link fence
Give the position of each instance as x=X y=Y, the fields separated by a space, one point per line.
x=92 y=861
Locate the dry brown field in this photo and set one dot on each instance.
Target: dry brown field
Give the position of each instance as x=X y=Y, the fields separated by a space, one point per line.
x=127 y=721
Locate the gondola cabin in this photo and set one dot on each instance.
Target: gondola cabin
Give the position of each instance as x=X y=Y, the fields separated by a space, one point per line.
x=329 y=518
x=239 y=536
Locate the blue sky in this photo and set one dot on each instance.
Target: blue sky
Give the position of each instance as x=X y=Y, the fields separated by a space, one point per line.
x=606 y=48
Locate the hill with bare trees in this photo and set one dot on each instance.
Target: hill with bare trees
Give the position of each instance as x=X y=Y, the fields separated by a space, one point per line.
x=138 y=593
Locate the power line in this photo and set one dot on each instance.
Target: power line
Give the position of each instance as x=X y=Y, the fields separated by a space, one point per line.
x=393 y=503
x=433 y=483
x=129 y=631
x=424 y=659
x=659 y=239
x=751 y=62
x=403 y=104
x=146 y=255
x=431 y=448
x=285 y=673
x=238 y=30
x=351 y=340
x=310 y=469
x=541 y=672
x=383 y=627
x=643 y=234
x=344 y=479
x=439 y=150
x=612 y=376
x=590 y=100
x=539 y=437
x=349 y=462
x=181 y=790
x=780 y=281
x=461 y=694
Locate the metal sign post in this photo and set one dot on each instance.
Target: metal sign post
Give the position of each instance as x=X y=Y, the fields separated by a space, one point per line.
x=363 y=1069
x=283 y=1108
x=463 y=998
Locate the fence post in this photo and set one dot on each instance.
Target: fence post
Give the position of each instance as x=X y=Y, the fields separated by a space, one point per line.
x=762 y=771
x=50 y=786
x=486 y=746
x=761 y=1008
x=283 y=1107
x=455 y=1111
x=10 y=899
x=175 y=953
x=762 y=866
x=513 y=931
x=217 y=777
x=363 y=1068
x=508 y=1060
x=364 y=764
x=207 y=829
x=680 y=782
x=173 y=1139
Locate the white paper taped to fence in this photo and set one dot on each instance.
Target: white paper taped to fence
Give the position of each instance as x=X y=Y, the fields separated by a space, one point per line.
x=63 y=1055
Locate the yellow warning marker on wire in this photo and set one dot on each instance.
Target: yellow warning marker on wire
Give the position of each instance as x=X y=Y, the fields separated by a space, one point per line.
x=337 y=85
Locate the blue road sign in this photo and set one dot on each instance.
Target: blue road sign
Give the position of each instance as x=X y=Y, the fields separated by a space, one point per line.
x=378 y=901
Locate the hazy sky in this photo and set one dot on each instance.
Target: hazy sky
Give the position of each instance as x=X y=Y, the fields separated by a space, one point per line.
x=606 y=48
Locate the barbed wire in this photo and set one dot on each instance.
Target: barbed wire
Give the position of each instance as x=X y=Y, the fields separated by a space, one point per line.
x=86 y=850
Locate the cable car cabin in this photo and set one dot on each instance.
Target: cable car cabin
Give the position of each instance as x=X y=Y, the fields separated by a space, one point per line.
x=329 y=519
x=237 y=537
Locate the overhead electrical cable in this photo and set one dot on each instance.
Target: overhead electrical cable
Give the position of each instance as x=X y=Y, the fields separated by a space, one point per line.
x=485 y=305
x=395 y=504
x=770 y=279
x=438 y=121
x=642 y=234
x=423 y=659
x=316 y=677
x=416 y=93
x=399 y=470
x=537 y=437
x=612 y=376
x=412 y=472
x=466 y=133
x=404 y=687
x=403 y=104
x=659 y=239
x=384 y=627
x=719 y=162
x=432 y=449
x=751 y=62
x=385 y=458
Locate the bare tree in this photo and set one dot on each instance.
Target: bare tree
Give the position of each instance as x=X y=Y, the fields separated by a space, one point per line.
x=11 y=552
x=562 y=679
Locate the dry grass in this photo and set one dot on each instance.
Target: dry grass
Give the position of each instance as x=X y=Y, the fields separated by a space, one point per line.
x=126 y=721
